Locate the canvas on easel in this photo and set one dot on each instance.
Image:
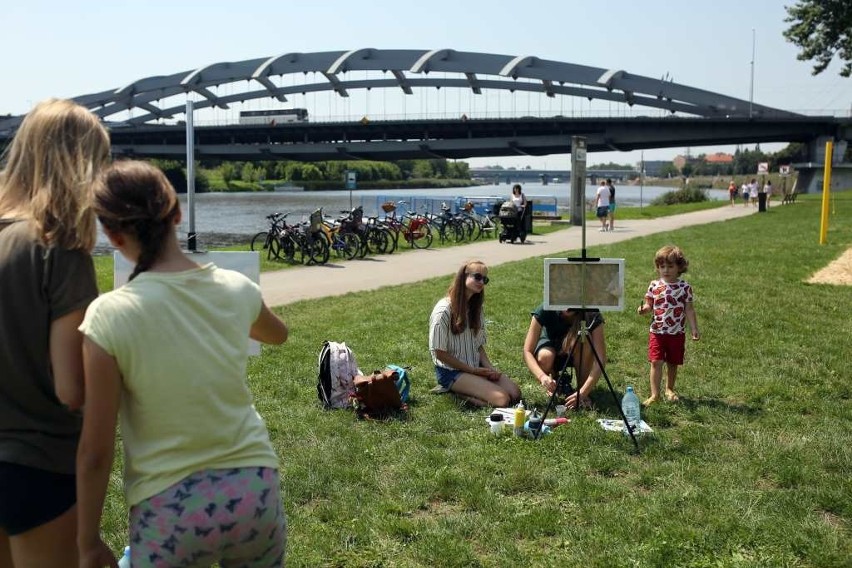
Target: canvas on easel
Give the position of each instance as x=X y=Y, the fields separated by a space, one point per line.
x=579 y=284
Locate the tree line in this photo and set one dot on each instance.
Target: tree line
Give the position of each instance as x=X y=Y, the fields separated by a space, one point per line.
x=217 y=175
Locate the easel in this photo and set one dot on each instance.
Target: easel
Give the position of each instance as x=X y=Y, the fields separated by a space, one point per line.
x=578 y=179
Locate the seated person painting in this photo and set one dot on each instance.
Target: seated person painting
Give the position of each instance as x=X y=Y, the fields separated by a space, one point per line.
x=549 y=348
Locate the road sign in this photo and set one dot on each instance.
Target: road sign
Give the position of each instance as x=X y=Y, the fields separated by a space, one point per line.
x=763 y=168
x=784 y=170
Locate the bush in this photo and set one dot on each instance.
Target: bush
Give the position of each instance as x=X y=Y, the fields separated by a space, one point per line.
x=683 y=195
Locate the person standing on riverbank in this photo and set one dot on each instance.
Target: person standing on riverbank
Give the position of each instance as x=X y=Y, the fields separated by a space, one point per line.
x=732 y=192
x=47 y=278
x=611 y=204
x=602 y=205
x=519 y=199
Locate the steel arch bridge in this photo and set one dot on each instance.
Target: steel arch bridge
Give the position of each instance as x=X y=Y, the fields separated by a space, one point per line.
x=406 y=70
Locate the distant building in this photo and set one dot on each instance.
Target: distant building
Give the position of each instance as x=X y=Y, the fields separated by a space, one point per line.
x=720 y=158
x=654 y=168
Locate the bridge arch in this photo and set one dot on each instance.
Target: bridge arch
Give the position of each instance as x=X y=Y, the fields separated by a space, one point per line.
x=409 y=69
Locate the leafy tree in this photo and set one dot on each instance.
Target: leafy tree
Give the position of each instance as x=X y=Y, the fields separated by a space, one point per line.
x=228 y=171
x=610 y=166
x=251 y=173
x=439 y=167
x=174 y=172
x=822 y=29
x=795 y=152
x=458 y=170
x=311 y=172
x=669 y=170
x=422 y=169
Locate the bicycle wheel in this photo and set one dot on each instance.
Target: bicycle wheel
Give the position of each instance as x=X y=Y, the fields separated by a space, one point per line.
x=421 y=237
x=452 y=232
x=469 y=227
x=258 y=242
x=288 y=247
x=347 y=245
x=377 y=240
x=476 y=228
x=362 y=244
x=264 y=242
x=393 y=238
x=317 y=250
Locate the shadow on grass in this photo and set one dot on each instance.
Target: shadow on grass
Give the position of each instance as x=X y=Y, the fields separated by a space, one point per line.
x=740 y=408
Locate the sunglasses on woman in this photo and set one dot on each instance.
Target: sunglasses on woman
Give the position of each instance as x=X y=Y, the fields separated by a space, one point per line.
x=479 y=277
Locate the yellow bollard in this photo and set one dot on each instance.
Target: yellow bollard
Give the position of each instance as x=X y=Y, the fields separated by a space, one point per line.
x=826 y=194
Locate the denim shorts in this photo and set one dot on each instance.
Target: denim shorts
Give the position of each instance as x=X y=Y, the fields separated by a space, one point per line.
x=446 y=377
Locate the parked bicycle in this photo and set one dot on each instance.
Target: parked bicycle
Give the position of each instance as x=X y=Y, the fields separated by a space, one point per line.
x=270 y=240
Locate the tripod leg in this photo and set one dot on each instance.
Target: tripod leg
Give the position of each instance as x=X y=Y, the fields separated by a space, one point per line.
x=615 y=399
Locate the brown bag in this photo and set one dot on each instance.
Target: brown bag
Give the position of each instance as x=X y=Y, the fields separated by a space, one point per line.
x=377 y=393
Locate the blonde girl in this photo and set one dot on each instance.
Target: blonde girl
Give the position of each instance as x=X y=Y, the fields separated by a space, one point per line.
x=47 y=278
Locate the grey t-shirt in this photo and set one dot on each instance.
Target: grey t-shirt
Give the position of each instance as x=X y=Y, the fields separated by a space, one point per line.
x=38 y=284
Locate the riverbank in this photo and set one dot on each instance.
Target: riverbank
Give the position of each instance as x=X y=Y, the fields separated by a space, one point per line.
x=334 y=279
x=721 y=181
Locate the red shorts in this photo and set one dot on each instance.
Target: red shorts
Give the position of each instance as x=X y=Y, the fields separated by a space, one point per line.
x=668 y=348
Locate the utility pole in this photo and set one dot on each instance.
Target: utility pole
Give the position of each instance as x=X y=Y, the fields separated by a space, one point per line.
x=751 y=83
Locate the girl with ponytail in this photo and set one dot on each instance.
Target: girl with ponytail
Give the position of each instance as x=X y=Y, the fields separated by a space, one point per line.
x=166 y=355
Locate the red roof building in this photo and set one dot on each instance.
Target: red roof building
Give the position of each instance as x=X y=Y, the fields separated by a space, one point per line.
x=719 y=158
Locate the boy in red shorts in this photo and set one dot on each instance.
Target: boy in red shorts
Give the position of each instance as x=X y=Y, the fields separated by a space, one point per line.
x=670 y=298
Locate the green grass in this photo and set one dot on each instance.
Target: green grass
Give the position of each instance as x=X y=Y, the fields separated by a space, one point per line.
x=655 y=211
x=751 y=468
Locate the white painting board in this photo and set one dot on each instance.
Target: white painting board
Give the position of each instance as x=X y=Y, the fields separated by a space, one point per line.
x=572 y=284
x=244 y=262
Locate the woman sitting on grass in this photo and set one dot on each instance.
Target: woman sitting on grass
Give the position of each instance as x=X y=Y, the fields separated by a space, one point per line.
x=457 y=342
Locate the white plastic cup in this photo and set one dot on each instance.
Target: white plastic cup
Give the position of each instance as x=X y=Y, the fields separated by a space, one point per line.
x=496 y=426
x=560 y=410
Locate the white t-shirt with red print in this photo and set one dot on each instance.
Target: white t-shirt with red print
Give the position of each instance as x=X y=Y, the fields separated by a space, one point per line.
x=668 y=303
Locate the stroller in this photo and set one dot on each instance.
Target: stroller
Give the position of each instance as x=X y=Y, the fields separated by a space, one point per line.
x=511 y=221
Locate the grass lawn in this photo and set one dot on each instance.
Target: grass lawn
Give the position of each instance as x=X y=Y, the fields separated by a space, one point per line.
x=751 y=468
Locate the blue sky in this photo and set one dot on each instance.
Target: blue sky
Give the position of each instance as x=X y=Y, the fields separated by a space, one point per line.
x=65 y=49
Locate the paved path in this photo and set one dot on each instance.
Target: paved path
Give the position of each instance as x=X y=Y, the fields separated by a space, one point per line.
x=287 y=286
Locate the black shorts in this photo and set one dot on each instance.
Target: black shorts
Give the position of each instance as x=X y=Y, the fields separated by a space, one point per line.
x=31 y=497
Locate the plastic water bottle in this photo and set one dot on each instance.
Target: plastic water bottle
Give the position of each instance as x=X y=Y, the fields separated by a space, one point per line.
x=124 y=561
x=631 y=409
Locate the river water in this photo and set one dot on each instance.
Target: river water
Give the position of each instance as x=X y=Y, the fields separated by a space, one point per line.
x=226 y=218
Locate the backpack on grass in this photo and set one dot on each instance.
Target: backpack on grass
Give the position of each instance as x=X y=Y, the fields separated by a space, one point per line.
x=337 y=370
x=376 y=395
x=403 y=382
